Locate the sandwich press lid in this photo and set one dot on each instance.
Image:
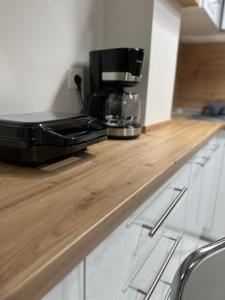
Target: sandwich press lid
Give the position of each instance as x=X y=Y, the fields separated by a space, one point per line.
x=45 y=128
x=29 y=119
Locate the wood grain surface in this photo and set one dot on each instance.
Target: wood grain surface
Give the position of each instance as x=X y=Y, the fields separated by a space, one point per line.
x=148 y=128
x=51 y=217
x=200 y=75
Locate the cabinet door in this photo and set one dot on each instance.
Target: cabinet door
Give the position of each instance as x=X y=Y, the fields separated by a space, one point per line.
x=107 y=267
x=205 y=173
x=180 y=180
x=223 y=19
x=214 y=10
x=212 y=179
x=70 y=288
x=132 y=256
x=218 y=220
x=192 y=225
x=152 y=271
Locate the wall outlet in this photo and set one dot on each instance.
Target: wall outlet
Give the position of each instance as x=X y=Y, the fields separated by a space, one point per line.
x=72 y=72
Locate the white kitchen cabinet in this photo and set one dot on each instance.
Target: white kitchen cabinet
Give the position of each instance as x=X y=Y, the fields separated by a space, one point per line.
x=218 y=219
x=204 y=178
x=193 y=226
x=218 y=223
x=211 y=177
x=70 y=288
x=223 y=19
x=146 y=277
x=131 y=258
x=214 y=9
x=108 y=265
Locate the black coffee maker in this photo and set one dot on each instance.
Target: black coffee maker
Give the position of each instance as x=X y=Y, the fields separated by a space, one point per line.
x=113 y=74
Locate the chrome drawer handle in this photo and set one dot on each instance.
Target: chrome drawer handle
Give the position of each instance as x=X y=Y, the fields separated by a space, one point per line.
x=167 y=297
x=153 y=229
x=139 y=266
x=207 y=158
x=161 y=271
x=206 y=161
x=215 y=148
x=129 y=283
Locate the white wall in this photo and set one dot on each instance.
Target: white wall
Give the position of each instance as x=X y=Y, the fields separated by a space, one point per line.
x=39 y=41
x=128 y=24
x=155 y=26
x=163 y=60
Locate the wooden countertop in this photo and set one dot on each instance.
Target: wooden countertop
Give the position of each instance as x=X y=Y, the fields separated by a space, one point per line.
x=53 y=216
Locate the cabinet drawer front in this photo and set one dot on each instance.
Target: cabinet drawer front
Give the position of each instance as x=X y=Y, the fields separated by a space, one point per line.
x=119 y=259
x=193 y=209
x=114 y=261
x=160 y=293
x=109 y=265
x=70 y=288
x=152 y=270
x=161 y=205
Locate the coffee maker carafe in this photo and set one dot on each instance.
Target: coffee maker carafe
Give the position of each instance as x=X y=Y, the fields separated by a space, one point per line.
x=113 y=75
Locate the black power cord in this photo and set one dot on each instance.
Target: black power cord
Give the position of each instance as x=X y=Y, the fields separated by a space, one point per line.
x=78 y=82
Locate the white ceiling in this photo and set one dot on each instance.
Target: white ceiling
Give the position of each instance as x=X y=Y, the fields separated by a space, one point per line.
x=198 y=27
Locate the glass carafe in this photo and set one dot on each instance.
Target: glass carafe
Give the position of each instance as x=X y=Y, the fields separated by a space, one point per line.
x=123 y=114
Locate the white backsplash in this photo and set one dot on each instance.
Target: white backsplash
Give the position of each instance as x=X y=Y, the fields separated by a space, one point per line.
x=39 y=42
